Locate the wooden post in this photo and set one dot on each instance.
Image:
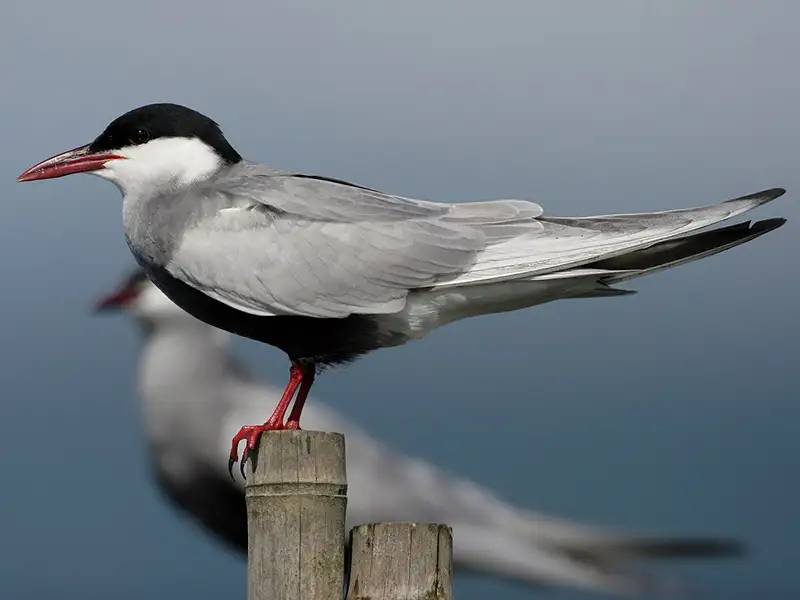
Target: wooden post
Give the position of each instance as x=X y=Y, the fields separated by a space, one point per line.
x=401 y=561
x=296 y=499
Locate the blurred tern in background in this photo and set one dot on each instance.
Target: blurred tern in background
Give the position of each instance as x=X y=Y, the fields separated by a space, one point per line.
x=194 y=394
x=328 y=270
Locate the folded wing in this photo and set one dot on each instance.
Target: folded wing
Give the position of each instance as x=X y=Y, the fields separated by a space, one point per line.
x=308 y=246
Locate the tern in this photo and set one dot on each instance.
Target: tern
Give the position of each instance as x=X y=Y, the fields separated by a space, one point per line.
x=328 y=271
x=193 y=393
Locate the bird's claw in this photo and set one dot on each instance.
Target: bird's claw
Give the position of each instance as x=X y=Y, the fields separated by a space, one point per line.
x=251 y=434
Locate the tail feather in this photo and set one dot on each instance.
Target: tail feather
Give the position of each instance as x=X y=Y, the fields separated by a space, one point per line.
x=663 y=255
x=679 y=251
x=603 y=290
x=635 y=548
x=550 y=551
x=490 y=551
x=605 y=545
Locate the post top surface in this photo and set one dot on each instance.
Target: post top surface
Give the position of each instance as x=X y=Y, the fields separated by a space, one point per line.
x=298 y=456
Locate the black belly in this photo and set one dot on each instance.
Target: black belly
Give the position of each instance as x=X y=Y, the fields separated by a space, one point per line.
x=305 y=339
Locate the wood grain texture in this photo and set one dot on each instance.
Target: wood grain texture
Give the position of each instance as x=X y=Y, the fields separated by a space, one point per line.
x=401 y=561
x=296 y=501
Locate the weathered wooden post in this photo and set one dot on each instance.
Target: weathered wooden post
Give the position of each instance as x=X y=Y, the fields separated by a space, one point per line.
x=296 y=500
x=401 y=561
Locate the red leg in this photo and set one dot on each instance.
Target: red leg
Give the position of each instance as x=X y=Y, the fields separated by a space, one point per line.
x=295 y=380
x=252 y=433
x=293 y=422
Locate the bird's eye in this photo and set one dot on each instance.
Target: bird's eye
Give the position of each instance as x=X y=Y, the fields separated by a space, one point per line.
x=140 y=136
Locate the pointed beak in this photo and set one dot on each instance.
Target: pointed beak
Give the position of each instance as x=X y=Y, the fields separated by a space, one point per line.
x=118 y=300
x=78 y=160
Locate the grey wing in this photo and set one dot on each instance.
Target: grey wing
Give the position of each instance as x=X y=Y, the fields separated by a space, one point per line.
x=297 y=245
x=323 y=199
x=290 y=266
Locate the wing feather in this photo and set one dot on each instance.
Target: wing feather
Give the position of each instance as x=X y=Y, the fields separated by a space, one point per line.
x=321 y=269
x=301 y=245
x=569 y=242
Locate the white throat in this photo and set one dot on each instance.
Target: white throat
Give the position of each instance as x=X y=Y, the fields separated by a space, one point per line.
x=160 y=165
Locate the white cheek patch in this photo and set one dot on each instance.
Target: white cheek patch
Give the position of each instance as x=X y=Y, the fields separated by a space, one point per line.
x=162 y=162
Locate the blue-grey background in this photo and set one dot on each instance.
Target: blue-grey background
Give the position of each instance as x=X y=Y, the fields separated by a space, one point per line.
x=674 y=411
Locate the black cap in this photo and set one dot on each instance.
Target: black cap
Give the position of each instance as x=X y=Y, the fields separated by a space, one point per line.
x=154 y=121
